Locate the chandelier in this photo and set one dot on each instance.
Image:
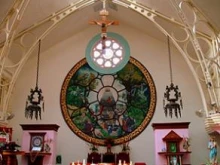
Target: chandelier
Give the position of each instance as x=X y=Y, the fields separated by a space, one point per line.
x=172 y=101
x=35 y=101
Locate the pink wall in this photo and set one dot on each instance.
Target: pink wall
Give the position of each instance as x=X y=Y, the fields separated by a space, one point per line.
x=50 y=134
x=159 y=134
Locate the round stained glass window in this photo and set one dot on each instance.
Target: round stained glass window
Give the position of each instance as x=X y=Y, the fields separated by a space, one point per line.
x=109 y=55
x=116 y=106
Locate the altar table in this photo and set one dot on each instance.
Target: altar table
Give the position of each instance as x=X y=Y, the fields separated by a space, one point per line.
x=10 y=157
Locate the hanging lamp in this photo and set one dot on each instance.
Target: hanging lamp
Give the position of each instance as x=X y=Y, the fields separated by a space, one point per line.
x=35 y=101
x=172 y=101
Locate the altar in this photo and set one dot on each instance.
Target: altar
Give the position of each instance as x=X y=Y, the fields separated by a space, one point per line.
x=36 y=158
x=10 y=157
x=107 y=158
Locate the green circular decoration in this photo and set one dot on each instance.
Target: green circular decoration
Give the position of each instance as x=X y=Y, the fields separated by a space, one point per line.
x=101 y=108
x=117 y=49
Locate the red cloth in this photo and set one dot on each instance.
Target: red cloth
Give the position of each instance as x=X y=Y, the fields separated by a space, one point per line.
x=139 y=163
x=80 y=163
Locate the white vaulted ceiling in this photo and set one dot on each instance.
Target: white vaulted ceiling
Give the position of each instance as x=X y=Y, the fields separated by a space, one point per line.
x=41 y=14
x=38 y=10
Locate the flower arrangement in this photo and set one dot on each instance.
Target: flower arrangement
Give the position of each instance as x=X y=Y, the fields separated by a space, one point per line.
x=47 y=144
x=186 y=143
x=93 y=148
x=10 y=146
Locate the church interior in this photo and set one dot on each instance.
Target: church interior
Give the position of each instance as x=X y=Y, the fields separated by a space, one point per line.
x=132 y=82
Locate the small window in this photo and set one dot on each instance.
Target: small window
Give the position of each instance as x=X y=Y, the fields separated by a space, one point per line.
x=108 y=56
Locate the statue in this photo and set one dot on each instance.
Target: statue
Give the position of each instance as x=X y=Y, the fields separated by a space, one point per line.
x=186 y=143
x=212 y=146
x=173 y=161
x=103 y=23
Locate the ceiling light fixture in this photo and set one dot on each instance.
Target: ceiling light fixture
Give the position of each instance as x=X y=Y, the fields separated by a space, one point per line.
x=35 y=101
x=172 y=101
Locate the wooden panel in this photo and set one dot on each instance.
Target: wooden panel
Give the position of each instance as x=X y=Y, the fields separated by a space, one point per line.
x=171 y=125
x=47 y=127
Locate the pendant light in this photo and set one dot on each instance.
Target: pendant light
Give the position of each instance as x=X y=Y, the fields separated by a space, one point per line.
x=172 y=101
x=35 y=101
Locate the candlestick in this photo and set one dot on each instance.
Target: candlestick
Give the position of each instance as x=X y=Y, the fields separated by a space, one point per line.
x=84 y=162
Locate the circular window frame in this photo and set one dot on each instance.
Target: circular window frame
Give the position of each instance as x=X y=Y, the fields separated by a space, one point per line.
x=108 y=70
x=150 y=111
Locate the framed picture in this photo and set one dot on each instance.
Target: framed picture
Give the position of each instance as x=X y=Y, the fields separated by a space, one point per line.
x=37 y=141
